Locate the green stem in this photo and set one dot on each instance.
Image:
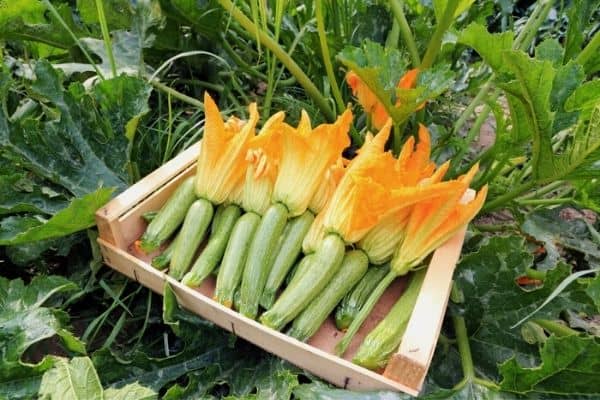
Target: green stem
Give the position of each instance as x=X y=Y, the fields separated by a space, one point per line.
x=337 y=95
x=364 y=312
x=393 y=36
x=106 y=37
x=508 y=196
x=75 y=39
x=473 y=132
x=481 y=95
x=462 y=341
x=266 y=40
x=535 y=20
x=589 y=50
x=544 y=202
x=409 y=40
x=555 y=327
x=442 y=26
x=542 y=191
x=177 y=95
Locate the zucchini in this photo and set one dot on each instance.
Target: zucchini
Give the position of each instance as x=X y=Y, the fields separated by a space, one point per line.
x=169 y=217
x=291 y=245
x=213 y=252
x=325 y=263
x=192 y=233
x=375 y=351
x=353 y=268
x=353 y=301
x=364 y=312
x=162 y=260
x=234 y=259
x=300 y=268
x=148 y=216
x=260 y=258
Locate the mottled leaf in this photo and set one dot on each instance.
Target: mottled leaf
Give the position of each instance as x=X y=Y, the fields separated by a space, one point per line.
x=569 y=365
x=321 y=391
x=71 y=380
x=19 y=193
x=77 y=216
x=133 y=391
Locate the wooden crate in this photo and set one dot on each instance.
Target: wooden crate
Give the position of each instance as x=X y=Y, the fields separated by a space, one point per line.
x=120 y=224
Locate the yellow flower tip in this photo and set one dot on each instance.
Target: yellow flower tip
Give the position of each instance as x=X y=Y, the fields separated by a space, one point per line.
x=438 y=174
x=468 y=177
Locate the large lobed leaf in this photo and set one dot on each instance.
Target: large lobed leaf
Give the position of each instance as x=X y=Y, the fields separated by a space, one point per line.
x=24 y=321
x=495 y=302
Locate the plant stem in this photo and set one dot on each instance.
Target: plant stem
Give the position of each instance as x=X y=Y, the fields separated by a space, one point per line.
x=285 y=59
x=543 y=202
x=337 y=95
x=543 y=190
x=75 y=39
x=393 y=36
x=442 y=26
x=462 y=341
x=177 y=95
x=537 y=17
x=555 y=327
x=483 y=91
x=473 y=132
x=106 y=37
x=589 y=50
x=508 y=196
x=409 y=40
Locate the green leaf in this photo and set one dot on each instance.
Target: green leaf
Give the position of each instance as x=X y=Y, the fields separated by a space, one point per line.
x=321 y=391
x=23 y=322
x=133 y=391
x=74 y=151
x=569 y=365
x=271 y=378
x=439 y=7
x=494 y=301
x=117 y=12
x=548 y=227
x=593 y=290
x=19 y=193
x=469 y=390
x=585 y=96
x=71 y=380
x=568 y=78
x=124 y=100
x=551 y=50
x=579 y=13
x=77 y=216
x=489 y=46
x=206 y=17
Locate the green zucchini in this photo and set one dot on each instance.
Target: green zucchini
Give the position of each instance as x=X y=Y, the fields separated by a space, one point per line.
x=169 y=217
x=353 y=301
x=234 y=259
x=148 y=216
x=375 y=351
x=260 y=258
x=162 y=260
x=353 y=268
x=300 y=268
x=291 y=245
x=213 y=252
x=324 y=265
x=195 y=227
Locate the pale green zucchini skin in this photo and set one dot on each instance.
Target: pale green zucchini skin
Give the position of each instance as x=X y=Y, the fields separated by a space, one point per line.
x=260 y=258
x=193 y=231
x=353 y=301
x=300 y=269
x=212 y=254
x=148 y=216
x=234 y=259
x=290 y=247
x=162 y=260
x=354 y=266
x=375 y=351
x=169 y=217
x=324 y=265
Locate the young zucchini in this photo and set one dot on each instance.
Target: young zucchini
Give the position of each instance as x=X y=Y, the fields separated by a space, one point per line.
x=324 y=265
x=291 y=245
x=353 y=268
x=192 y=233
x=162 y=260
x=169 y=217
x=213 y=252
x=234 y=259
x=353 y=301
x=148 y=216
x=300 y=269
x=260 y=258
x=375 y=351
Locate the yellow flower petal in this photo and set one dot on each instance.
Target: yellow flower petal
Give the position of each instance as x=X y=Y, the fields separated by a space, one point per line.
x=307 y=154
x=221 y=163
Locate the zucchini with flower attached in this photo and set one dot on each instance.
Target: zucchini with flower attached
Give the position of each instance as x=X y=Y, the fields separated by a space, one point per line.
x=377 y=347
